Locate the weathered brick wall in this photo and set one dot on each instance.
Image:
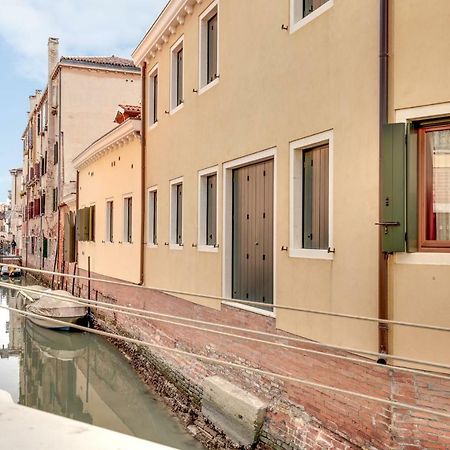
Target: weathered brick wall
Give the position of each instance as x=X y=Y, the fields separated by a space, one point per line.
x=299 y=417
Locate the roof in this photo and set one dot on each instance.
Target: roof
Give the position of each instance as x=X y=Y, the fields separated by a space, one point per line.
x=127 y=112
x=112 y=62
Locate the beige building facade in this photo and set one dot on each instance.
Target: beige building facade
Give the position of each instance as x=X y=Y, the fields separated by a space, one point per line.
x=274 y=104
x=17 y=207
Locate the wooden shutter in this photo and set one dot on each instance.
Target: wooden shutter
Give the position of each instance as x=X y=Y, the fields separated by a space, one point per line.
x=180 y=77
x=85 y=224
x=212 y=49
x=91 y=220
x=411 y=189
x=315 y=198
x=155 y=97
x=393 y=188
x=211 y=210
x=179 y=214
x=45 y=248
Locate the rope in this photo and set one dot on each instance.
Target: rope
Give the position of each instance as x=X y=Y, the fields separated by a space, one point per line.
x=131 y=312
x=245 y=302
x=235 y=365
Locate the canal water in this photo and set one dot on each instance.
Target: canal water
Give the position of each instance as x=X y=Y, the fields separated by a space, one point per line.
x=80 y=376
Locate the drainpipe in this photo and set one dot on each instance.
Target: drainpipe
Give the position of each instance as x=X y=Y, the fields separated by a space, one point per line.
x=383 y=330
x=143 y=159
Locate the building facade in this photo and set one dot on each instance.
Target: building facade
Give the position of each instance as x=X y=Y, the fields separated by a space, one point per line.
x=72 y=111
x=17 y=208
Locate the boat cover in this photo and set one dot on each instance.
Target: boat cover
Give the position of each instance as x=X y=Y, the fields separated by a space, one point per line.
x=36 y=295
x=57 y=308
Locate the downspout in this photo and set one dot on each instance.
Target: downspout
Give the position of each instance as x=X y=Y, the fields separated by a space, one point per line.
x=383 y=313
x=143 y=158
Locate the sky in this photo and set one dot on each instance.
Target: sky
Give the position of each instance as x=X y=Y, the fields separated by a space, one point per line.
x=84 y=27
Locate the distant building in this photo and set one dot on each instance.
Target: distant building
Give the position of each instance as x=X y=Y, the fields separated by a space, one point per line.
x=68 y=115
x=17 y=209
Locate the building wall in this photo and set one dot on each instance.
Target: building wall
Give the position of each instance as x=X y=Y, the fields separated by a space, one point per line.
x=276 y=87
x=112 y=177
x=89 y=99
x=419 y=88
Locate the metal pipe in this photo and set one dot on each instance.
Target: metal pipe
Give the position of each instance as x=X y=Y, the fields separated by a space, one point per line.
x=143 y=166
x=383 y=307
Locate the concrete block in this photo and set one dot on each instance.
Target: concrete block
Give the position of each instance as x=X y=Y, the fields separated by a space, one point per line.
x=236 y=412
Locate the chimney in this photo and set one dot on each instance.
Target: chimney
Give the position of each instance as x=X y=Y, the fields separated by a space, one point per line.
x=53 y=54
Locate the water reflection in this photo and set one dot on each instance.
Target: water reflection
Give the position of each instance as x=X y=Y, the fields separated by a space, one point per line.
x=83 y=377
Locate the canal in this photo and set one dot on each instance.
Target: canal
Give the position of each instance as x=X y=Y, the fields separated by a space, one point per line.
x=80 y=376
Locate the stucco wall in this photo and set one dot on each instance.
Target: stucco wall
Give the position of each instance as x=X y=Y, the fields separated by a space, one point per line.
x=274 y=88
x=112 y=182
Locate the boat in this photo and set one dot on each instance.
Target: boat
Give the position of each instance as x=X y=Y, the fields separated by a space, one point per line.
x=49 y=307
x=30 y=296
x=15 y=272
x=4 y=272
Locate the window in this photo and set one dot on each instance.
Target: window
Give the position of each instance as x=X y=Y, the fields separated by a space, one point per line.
x=177 y=78
x=176 y=213
x=91 y=219
x=434 y=187
x=209 y=46
x=55 y=199
x=311 y=197
x=303 y=11
x=207 y=219
x=55 y=153
x=42 y=204
x=109 y=221
x=153 y=96
x=128 y=219
x=153 y=217
x=45 y=249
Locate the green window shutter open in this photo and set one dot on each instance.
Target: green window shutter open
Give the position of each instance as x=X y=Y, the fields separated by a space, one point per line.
x=394 y=188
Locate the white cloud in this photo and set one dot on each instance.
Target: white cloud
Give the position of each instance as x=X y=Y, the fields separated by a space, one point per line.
x=93 y=27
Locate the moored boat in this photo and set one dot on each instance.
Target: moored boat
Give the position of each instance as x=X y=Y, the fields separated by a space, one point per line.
x=48 y=307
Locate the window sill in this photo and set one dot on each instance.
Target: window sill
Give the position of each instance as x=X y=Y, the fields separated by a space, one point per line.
x=207 y=248
x=423 y=258
x=249 y=308
x=310 y=254
x=153 y=126
x=152 y=245
x=208 y=86
x=176 y=109
x=295 y=26
x=175 y=247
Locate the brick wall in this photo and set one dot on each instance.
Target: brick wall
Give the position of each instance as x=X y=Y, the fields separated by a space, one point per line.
x=298 y=417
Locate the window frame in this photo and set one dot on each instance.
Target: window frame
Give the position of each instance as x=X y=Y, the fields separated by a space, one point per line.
x=203 y=175
x=152 y=217
x=152 y=104
x=173 y=239
x=126 y=220
x=205 y=16
x=299 y=21
x=174 y=80
x=109 y=222
x=297 y=149
x=425 y=245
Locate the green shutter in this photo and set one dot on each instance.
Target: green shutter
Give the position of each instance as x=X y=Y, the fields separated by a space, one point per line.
x=45 y=248
x=411 y=188
x=91 y=213
x=394 y=188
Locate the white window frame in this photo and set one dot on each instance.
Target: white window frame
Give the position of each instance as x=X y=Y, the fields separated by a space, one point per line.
x=209 y=12
x=109 y=238
x=125 y=219
x=173 y=245
x=151 y=213
x=151 y=79
x=297 y=20
x=203 y=175
x=179 y=44
x=296 y=150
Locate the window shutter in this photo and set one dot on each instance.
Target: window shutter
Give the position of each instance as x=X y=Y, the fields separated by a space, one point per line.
x=69 y=235
x=179 y=214
x=394 y=187
x=45 y=248
x=211 y=210
x=411 y=188
x=212 y=49
x=85 y=224
x=91 y=219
